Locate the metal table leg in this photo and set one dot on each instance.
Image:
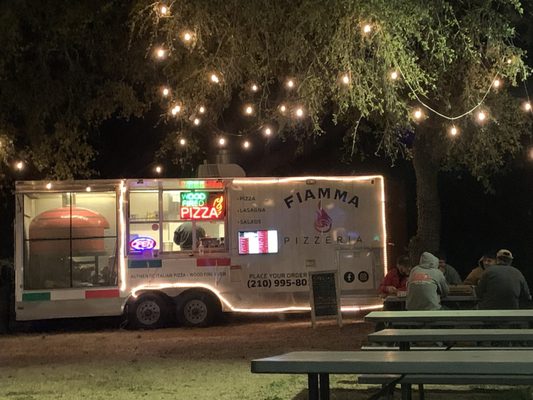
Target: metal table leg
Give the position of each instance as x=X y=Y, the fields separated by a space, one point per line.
x=312 y=385
x=324 y=386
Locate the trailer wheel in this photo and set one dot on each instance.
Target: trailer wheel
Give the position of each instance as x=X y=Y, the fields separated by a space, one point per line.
x=148 y=312
x=197 y=309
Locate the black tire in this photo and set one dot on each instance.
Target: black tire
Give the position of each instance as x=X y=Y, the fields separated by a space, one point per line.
x=197 y=309
x=149 y=311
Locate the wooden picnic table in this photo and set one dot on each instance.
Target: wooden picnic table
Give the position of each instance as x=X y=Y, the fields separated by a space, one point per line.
x=456 y=317
x=407 y=336
x=318 y=365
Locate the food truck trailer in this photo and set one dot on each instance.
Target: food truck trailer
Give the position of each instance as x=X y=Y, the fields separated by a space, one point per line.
x=109 y=247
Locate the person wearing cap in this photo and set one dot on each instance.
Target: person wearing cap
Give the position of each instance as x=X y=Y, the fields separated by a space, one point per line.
x=450 y=273
x=488 y=258
x=502 y=287
x=426 y=285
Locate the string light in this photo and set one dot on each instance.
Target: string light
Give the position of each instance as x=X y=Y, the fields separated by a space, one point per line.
x=187 y=37
x=201 y=110
x=175 y=110
x=158 y=169
x=214 y=78
x=254 y=87
x=160 y=53
x=19 y=165
x=246 y=144
x=526 y=106
x=367 y=28
x=531 y=153
x=196 y=121
x=418 y=114
x=49 y=185
x=248 y=109
x=496 y=84
x=88 y=189
x=299 y=112
x=163 y=10
x=394 y=75
x=182 y=142
x=290 y=84
x=453 y=130
x=283 y=108
x=481 y=116
x=221 y=141
x=165 y=91
x=267 y=131
x=345 y=79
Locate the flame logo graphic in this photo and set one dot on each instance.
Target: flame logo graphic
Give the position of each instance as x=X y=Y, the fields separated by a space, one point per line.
x=218 y=204
x=322 y=220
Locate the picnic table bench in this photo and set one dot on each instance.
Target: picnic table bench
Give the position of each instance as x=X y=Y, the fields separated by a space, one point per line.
x=510 y=367
x=452 y=317
x=405 y=337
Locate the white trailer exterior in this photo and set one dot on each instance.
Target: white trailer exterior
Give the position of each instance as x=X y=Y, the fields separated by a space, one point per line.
x=105 y=247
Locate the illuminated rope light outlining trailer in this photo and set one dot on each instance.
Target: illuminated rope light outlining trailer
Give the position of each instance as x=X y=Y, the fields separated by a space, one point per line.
x=189 y=249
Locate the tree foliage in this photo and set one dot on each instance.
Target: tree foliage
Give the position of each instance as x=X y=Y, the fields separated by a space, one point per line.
x=63 y=70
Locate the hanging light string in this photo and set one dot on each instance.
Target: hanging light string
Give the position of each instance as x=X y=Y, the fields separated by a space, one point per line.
x=413 y=91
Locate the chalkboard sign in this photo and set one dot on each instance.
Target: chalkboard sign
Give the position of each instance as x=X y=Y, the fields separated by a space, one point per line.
x=325 y=301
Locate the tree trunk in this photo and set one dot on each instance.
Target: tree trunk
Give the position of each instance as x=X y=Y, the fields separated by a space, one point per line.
x=426 y=166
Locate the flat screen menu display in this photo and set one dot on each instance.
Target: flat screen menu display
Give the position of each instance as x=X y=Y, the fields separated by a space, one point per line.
x=258 y=242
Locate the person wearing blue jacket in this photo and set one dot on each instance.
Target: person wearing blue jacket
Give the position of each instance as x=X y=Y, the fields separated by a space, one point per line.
x=426 y=285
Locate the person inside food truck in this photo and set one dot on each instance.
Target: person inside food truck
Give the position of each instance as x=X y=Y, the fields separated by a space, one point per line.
x=396 y=278
x=183 y=235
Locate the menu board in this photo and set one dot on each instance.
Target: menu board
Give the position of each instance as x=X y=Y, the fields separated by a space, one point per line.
x=258 y=242
x=325 y=299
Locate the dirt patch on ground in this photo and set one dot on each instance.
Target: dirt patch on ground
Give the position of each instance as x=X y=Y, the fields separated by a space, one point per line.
x=236 y=338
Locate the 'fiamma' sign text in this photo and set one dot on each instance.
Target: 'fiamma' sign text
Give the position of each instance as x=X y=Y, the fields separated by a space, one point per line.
x=322 y=193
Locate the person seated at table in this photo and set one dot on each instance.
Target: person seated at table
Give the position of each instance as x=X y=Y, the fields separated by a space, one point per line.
x=396 y=278
x=488 y=258
x=450 y=273
x=502 y=287
x=426 y=285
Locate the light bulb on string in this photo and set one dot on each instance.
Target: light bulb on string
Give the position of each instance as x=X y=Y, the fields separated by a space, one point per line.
x=246 y=144
x=164 y=10
x=196 y=121
x=49 y=185
x=394 y=75
x=254 y=87
x=367 y=28
x=345 y=79
x=175 y=110
x=299 y=112
x=221 y=141
x=160 y=53
x=454 y=131
x=182 y=142
x=267 y=131
x=418 y=114
x=201 y=110
x=497 y=83
x=248 y=109
x=526 y=106
x=88 y=189
x=283 y=108
x=158 y=169
x=187 y=37
x=165 y=91
x=481 y=116
x=214 y=78
x=19 y=165
x=290 y=84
